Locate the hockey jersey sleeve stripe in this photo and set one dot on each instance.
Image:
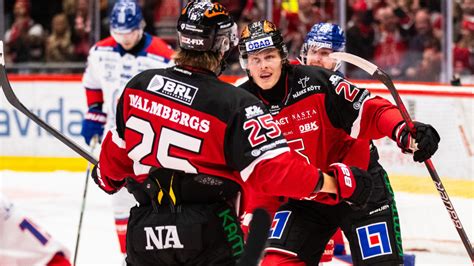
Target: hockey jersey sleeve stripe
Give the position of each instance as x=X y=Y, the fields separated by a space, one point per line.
x=246 y=172
x=117 y=139
x=94 y=96
x=355 y=129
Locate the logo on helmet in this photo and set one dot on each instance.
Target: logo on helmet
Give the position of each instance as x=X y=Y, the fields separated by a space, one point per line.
x=186 y=40
x=258 y=44
x=217 y=9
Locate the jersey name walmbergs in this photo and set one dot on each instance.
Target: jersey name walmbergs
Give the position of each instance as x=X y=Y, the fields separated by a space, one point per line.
x=173 y=89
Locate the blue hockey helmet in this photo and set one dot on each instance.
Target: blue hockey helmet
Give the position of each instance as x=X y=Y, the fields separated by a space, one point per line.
x=126 y=16
x=323 y=35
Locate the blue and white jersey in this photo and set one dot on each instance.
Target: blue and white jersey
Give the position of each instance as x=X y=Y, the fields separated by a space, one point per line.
x=110 y=67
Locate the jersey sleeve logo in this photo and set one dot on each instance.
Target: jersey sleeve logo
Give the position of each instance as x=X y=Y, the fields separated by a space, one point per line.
x=173 y=89
x=374 y=240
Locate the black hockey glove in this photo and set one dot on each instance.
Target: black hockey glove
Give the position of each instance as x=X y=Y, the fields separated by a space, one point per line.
x=354 y=185
x=106 y=184
x=423 y=145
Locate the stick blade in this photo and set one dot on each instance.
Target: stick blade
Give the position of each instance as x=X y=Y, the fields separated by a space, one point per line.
x=355 y=60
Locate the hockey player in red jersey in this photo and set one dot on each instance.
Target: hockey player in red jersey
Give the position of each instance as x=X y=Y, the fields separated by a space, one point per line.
x=187 y=145
x=320 y=114
x=112 y=62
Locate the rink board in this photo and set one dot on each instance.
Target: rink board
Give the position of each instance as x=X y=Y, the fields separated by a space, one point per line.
x=61 y=102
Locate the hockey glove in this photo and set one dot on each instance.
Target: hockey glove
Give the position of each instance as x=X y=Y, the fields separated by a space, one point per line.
x=424 y=143
x=93 y=124
x=106 y=184
x=354 y=185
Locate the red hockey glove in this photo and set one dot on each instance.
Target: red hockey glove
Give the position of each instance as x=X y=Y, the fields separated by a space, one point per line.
x=354 y=185
x=423 y=145
x=108 y=185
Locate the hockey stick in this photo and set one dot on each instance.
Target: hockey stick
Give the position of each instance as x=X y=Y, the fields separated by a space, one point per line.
x=383 y=77
x=94 y=142
x=13 y=100
x=258 y=235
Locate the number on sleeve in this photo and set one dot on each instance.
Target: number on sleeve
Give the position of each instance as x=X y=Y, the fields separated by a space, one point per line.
x=30 y=227
x=255 y=125
x=350 y=93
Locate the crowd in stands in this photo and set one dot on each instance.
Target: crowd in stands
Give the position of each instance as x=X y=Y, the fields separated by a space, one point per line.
x=404 y=37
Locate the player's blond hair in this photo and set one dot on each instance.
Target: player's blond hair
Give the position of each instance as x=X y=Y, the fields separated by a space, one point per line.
x=208 y=60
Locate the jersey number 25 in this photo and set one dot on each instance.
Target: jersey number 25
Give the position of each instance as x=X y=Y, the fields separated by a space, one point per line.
x=255 y=125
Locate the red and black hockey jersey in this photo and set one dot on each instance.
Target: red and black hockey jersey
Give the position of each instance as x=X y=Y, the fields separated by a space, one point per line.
x=320 y=115
x=184 y=119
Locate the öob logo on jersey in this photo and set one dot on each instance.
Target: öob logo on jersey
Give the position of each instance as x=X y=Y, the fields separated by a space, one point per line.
x=172 y=89
x=374 y=240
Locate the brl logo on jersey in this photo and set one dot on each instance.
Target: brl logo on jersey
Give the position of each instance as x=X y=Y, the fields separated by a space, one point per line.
x=172 y=89
x=374 y=240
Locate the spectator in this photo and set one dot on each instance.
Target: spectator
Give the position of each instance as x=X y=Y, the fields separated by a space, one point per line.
x=360 y=36
x=429 y=66
x=81 y=30
x=295 y=25
x=422 y=39
x=463 y=53
x=390 y=46
x=423 y=31
x=160 y=17
x=59 y=47
x=24 y=40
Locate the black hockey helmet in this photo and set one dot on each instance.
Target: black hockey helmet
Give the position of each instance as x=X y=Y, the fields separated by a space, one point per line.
x=258 y=36
x=205 y=26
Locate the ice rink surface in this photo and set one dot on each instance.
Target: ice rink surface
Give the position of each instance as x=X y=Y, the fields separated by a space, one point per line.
x=53 y=201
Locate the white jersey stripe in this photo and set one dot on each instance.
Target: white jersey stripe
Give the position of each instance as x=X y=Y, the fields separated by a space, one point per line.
x=355 y=129
x=245 y=173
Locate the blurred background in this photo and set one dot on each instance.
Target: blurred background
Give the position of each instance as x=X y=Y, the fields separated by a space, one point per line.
x=413 y=40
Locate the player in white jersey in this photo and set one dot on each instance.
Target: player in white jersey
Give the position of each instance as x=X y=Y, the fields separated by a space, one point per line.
x=24 y=243
x=112 y=62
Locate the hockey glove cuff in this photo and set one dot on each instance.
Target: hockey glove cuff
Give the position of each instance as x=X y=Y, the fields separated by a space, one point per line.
x=423 y=144
x=354 y=185
x=106 y=184
x=93 y=124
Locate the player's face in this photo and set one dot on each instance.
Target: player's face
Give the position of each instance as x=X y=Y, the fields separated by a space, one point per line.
x=265 y=67
x=320 y=57
x=127 y=40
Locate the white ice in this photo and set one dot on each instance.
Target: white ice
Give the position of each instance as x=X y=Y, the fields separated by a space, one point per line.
x=53 y=200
